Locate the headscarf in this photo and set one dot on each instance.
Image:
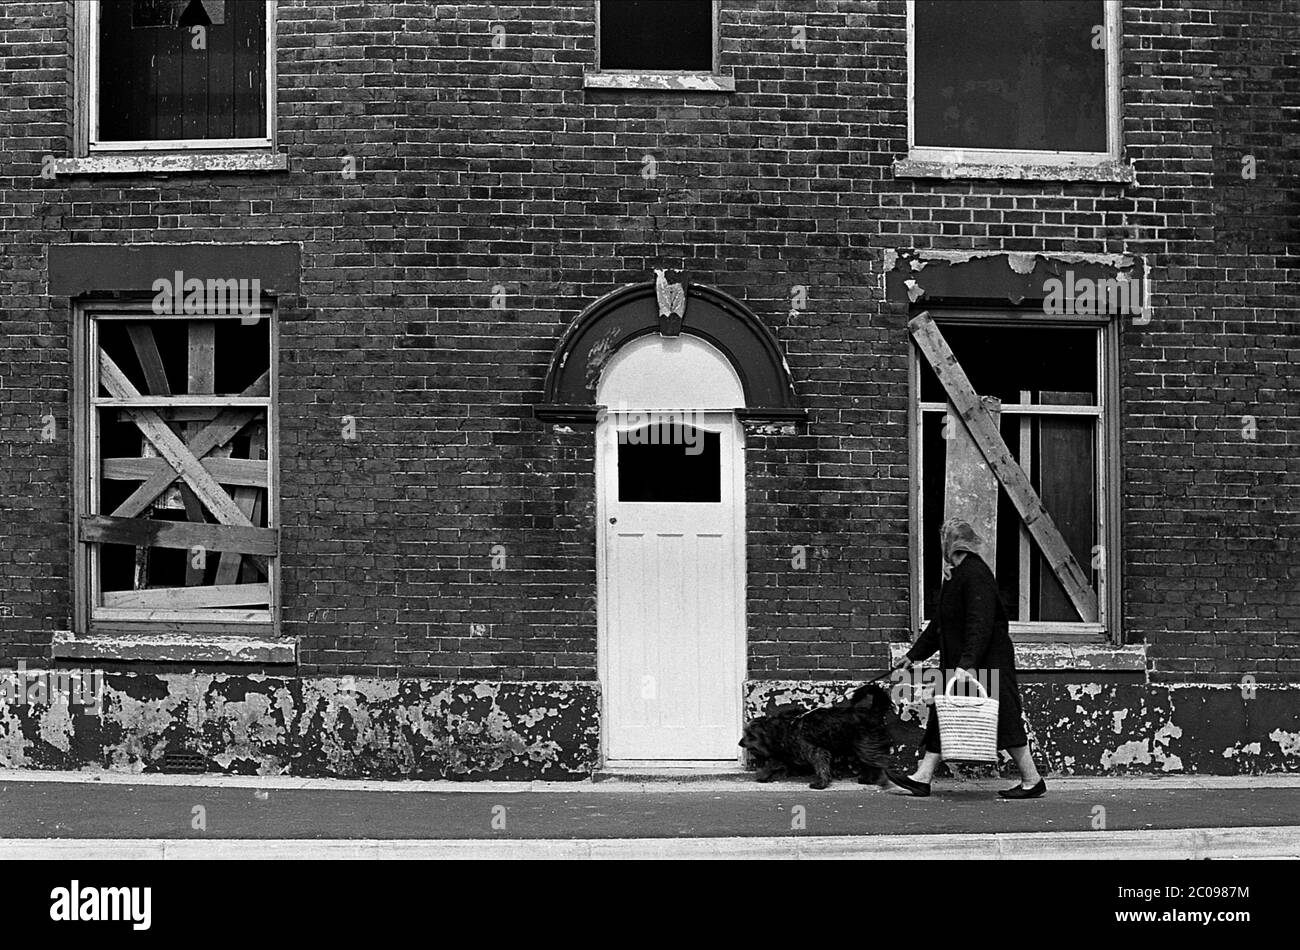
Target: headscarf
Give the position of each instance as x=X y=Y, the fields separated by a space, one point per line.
x=958 y=536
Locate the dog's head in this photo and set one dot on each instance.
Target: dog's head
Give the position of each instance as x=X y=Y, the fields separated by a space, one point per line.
x=756 y=738
x=762 y=736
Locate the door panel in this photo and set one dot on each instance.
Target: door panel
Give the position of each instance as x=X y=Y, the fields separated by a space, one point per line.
x=671 y=600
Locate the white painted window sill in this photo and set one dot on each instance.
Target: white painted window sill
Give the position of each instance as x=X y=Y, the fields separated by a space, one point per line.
x=1065 y=657
x=175 y=648
x=1106 y=172
x=172 y=163
x=660 y=82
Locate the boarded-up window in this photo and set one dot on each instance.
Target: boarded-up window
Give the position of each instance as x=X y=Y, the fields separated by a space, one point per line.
x=179 y=525
x=657 y=35
x=1052 y=418
x=173 y=70
x=1011 y=75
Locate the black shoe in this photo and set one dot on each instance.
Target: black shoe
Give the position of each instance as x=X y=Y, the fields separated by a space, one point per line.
x=1021 y=792
x=919 y=789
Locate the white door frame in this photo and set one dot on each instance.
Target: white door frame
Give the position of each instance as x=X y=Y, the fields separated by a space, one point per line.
x=713 y=418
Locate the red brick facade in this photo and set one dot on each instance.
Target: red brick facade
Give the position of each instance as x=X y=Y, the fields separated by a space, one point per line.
x=481 y=170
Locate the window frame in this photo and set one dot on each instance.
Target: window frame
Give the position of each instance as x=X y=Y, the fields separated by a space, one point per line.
x=86 y=106
x=89 y=619
x=1108 y=628
x=699 y=80
x=1113 y=12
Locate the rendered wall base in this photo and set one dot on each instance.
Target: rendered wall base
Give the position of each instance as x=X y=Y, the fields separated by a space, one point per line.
x=1111 y=729
x=334 y=727
x=421 y=729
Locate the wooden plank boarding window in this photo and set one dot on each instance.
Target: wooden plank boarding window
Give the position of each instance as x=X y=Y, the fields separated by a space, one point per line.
x=176 y=530
x=1005 y=82
x=176 y=75
x=1056 y=428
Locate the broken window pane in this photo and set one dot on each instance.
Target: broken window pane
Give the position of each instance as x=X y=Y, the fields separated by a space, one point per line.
x=155 y=355
x=1006 y=361
x=685 y=466
x=1033 y=366
x=1010 y=75
x=146 y=13
x=190 y=69
x=656 y=35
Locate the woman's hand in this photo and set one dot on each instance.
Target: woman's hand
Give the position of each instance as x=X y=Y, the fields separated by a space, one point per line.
x=904 y=664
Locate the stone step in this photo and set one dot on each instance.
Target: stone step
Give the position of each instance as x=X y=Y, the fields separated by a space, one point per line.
x=677 y=772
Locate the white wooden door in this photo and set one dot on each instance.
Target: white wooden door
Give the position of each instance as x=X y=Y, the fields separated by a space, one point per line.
x=672 y=594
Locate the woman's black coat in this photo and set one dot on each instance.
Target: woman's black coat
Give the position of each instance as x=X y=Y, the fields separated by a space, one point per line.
x=971 y=632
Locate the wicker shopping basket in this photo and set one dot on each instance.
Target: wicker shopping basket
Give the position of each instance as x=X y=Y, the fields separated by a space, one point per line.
x=968 y=725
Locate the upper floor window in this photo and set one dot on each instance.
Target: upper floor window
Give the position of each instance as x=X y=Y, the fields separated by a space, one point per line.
x=657 y=44
x=1014 y=82
x=657 y=34
x=177 y=74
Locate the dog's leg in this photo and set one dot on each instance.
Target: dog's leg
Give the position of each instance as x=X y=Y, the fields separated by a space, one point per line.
x=871 y=751
x=820 y=760
x=871 y=775
x=767 y=771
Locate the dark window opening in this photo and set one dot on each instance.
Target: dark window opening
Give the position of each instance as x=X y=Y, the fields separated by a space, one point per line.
x=241 y=354
x=1037 y=366
x=182 y=70
x=1010 y=75
x=1004 y=361
x=146 y=13
x=657 y=35
x=686 y=469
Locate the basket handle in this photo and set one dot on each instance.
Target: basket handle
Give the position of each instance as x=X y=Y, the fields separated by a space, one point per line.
x=948 y=689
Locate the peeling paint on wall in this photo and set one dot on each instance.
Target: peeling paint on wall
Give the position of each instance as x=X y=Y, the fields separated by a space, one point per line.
x=1288 y=742
x=348 y=728
x=1111 y=729
x=1020 y=262
x=394 y=729
x=598 y=356
x=1014 y=276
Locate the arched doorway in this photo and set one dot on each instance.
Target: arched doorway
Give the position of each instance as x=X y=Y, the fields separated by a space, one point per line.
x=670 y=551
x=670 y=523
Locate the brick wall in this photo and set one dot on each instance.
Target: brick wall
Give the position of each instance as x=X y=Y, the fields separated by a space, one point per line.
x=479 y=168
x=1211 y=515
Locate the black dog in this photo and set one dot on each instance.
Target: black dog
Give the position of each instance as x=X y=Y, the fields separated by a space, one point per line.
x=791 y=739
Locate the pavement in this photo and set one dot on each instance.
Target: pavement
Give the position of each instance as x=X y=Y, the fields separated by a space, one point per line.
x=112 y=815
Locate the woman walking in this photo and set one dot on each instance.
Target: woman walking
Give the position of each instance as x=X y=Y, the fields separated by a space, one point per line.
x=970 y=633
